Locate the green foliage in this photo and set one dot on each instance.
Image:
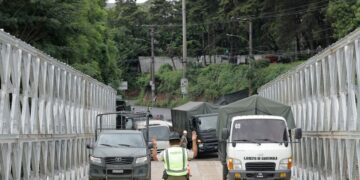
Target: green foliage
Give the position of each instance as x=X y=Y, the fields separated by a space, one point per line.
x=106 y=44
x=169 y=81
x=216 y=80
x=129 y=37
x=92 y=69
x=261 y=75
x=165 y=68
x=211 y=82
x=344 y=16
x=143 y=81
x=73 y=31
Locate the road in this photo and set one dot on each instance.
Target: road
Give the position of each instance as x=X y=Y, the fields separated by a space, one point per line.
x=156 y=111
x=206 y=167
x=200 y=170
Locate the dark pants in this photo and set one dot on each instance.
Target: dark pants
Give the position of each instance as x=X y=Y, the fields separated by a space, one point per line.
x=177 y=178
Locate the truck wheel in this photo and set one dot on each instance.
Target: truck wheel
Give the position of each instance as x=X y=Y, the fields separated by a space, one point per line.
x=149 y=172
x=225 y=172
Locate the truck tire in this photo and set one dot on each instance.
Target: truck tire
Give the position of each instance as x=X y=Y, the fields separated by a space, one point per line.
x=225 y=172
x=149 y=171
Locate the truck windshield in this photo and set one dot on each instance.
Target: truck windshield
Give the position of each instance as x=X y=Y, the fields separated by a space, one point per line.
x=259 y=131
x=123 y=139
x=161 y=133
x=208 y=122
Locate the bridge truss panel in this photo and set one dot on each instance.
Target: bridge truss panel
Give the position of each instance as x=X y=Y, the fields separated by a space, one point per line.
x=324 y=93
x=47 y=114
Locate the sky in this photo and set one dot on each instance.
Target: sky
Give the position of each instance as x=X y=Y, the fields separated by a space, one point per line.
x=138 y=1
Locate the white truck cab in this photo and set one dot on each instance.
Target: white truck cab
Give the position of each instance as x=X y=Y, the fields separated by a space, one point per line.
x=159 y=129
x=258 y=148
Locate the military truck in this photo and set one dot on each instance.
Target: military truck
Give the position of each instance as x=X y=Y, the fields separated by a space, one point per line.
x=254 y=139
x=121 y=105
x=200 y=117
x=129 y=119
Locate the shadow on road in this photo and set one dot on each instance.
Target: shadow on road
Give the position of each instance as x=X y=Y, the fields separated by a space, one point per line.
x=207 y=156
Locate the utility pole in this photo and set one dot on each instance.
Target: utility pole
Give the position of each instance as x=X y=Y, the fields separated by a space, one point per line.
x=249 y=19
x=250 y=54
x=295 y=50
x=152 y=66
x=184 y=82
x=250 y=38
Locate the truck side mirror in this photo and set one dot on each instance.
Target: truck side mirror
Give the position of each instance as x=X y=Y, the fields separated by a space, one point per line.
x=298 y=133
x=89 y=146
x=225 y=133
x=193 y=122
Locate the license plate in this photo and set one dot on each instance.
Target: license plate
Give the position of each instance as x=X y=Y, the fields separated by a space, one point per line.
x=260 y=175
x=118 y=171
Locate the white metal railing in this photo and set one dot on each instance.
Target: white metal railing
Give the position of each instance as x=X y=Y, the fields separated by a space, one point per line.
x=47 y=114
x=324 y=93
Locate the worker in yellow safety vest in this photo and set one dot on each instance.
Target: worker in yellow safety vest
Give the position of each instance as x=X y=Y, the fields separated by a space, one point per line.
x=175 y=157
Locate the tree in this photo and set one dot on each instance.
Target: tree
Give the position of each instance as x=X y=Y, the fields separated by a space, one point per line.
x=73 y=31
x=344 y=16
x=129 y=37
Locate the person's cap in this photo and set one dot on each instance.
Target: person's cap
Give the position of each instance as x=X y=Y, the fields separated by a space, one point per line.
x=174 y=136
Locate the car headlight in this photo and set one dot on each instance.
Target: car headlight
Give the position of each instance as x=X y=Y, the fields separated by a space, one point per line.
x=141 y=160
x=95 y=160
x=285 y=164
x=237 y=164
x=234 y=164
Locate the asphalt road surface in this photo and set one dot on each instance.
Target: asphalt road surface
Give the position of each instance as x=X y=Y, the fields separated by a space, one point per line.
x=200 y=170
x=206 y=167
x=165 y=112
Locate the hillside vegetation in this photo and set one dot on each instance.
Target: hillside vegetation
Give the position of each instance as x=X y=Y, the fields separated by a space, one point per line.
x=106 y=43
x=209 y=83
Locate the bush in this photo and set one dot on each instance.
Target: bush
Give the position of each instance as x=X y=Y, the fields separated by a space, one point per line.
x=216 y=80
x=165 y=68
x=209 y=83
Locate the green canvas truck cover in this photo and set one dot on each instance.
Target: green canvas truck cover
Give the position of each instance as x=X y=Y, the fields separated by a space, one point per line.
x=181 y=115
x=253 y=105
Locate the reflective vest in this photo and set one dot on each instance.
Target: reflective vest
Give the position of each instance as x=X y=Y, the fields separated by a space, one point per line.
x=176 y=159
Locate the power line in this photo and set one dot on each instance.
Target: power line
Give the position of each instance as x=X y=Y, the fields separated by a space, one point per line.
x=304 y=5
x=269 y=15
x=293 y=13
